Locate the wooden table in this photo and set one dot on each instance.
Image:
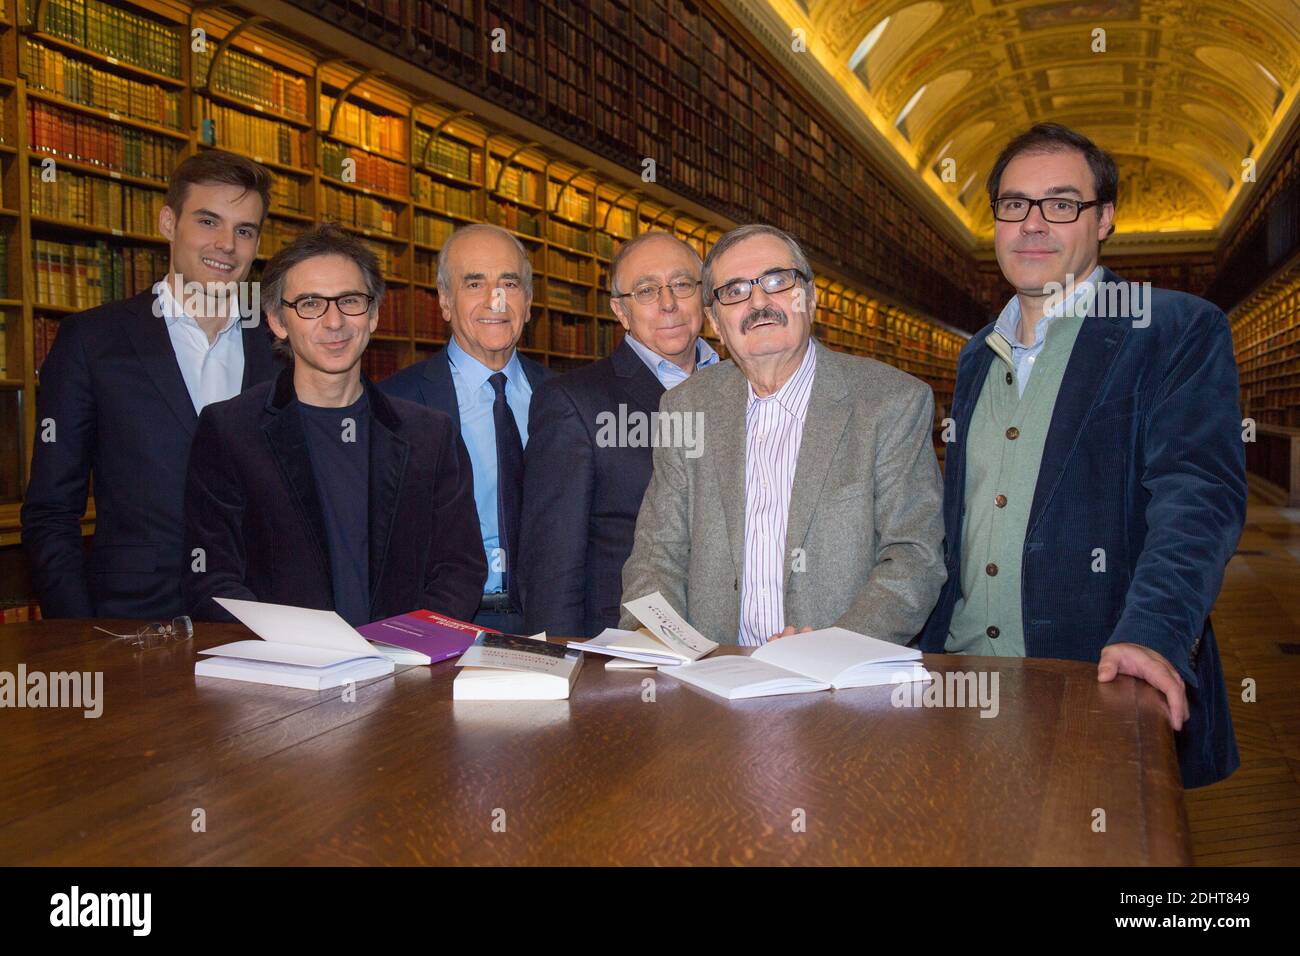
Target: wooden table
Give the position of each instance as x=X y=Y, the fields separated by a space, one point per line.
x=406 y=775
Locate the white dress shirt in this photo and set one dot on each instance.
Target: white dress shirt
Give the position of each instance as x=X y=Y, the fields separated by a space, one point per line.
x=213 y=371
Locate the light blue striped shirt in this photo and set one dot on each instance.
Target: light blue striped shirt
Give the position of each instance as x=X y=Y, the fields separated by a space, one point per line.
x=668 y=373
x=1008 y=326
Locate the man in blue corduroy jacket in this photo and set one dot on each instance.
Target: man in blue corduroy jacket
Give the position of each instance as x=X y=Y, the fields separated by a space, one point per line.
x=1095 y=484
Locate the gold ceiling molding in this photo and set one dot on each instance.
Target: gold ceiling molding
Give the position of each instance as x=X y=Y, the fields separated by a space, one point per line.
x=1182 y=95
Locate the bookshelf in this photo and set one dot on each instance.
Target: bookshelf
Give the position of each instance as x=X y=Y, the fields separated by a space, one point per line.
x=1266 y=338
x=114 y=98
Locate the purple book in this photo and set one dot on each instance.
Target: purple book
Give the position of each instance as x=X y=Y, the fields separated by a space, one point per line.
x=434 y=635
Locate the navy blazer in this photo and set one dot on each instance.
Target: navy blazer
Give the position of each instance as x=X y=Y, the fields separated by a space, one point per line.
x=253 y=506
x=430 y=383
x=1144 y=459
x=581 y=500
x=112 y=391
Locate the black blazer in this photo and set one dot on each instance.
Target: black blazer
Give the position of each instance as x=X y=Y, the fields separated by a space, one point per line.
x=112 y=393
x=430 y=383
x=252 y=505
x=581 y=500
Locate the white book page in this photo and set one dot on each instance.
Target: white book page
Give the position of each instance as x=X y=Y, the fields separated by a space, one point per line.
x=275 y=653
x=670 y=627
x=737 y=676
x=298 y=625
x=632 y=645
x=827 y=653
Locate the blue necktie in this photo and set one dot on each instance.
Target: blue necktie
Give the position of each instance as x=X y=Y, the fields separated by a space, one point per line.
x=510 y=480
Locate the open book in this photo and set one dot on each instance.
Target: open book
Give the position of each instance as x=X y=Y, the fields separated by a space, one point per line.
x=674 y=641
x=513 y=667
x=802 y=663
x=300 y=647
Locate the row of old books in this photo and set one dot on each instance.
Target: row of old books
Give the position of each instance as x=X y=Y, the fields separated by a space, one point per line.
x=363 y=212
x=571 y=334
x=111 y=31
x=68 y=135
x=449 y=156
x=571 y=267
x=81 y=275
x=572 y=204
x=249 y=79
x=561 y=295
x=380 y=132
x=255 y=136
x=575 y=237
x=432 y=230
x=429 y=323
x=92 y=200
x=512 y=217
x=380 y=361
x=517 y=183
x=54 y=71
x=440 y=195
x=360 y=168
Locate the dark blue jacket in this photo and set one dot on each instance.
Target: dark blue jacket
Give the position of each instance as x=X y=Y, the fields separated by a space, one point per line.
x=1144 y=458
x=581 y=500
x=252 y=503
x=113 y=389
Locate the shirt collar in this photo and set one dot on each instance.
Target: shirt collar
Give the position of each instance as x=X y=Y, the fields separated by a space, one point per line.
x=174 y=312
x=794 y=394
x=474 y=373
x=704 y=355
x=1008 y=322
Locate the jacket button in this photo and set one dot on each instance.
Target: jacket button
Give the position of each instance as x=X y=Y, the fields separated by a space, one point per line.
x=1000 y=500
x=1013 y=432
x=1008 y=378
x=991 y=570
x=992 y=632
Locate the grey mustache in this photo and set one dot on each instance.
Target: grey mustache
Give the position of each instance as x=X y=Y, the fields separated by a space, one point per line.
x=759 y=315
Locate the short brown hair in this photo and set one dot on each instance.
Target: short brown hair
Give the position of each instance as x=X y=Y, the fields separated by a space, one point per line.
x=218 y=166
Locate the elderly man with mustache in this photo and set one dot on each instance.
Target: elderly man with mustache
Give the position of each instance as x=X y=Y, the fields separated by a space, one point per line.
x=813 y=498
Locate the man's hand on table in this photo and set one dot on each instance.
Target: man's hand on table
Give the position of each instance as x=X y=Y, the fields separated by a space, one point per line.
x=1145 y=664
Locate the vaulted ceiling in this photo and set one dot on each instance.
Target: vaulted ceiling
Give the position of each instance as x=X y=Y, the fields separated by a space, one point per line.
x=1185 y=94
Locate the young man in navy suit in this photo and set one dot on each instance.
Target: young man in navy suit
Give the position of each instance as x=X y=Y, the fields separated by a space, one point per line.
x=485 y=291
x=1095 y=486
x=581 y=491
x=120 y=396
x=316 y=490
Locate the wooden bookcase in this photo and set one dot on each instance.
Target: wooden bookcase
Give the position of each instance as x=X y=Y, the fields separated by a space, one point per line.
x=395 y=166
x=1266 y=337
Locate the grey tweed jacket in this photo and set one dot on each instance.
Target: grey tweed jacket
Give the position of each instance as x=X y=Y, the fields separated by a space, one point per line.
x=864 y=538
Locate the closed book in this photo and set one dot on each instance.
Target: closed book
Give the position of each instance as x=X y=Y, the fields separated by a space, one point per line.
x=514 y=667
x=427 y=636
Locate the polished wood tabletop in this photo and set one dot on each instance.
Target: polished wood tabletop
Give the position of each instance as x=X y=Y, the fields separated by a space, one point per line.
x=186 y=770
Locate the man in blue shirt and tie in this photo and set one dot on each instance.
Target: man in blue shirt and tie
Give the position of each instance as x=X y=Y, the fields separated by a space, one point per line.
x=485 y=291
x=582 y=491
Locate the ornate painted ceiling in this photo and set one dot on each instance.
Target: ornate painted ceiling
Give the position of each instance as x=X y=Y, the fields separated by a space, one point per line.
x=1183 y=93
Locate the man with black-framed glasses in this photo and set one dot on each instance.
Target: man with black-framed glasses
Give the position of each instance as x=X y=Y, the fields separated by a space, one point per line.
x=1095 y=482
x=316 y=489
x=812 y=495
x=584 y=476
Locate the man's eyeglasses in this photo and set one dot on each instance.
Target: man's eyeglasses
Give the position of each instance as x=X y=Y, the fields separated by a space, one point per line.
x=773 y=281
x=645 y=294
x=314 y=306
x=1054 y=209
x=156 y=635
